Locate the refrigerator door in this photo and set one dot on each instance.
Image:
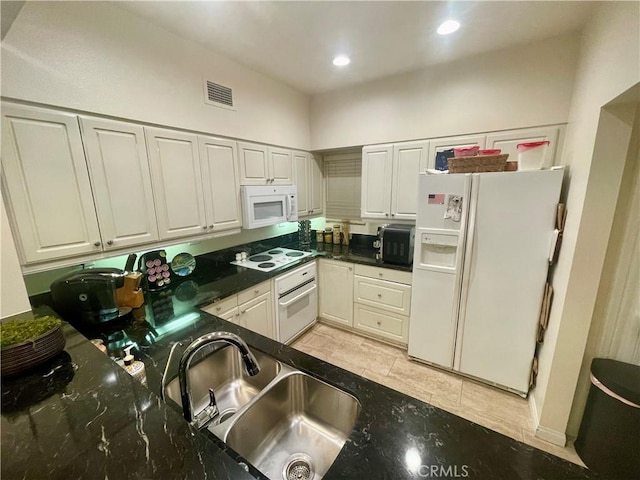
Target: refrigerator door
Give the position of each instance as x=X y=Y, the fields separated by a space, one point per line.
x=511 y=223
x=437 y=267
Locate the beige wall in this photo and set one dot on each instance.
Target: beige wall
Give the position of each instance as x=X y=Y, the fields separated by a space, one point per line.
x=608 y=66
x=13 y=295
x=519 y=87
x=95 y=57
x=615 y=328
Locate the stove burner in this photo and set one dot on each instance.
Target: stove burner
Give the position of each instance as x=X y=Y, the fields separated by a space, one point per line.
x=295 y=254
x=266 y=265
x=274 y=252
x=260 y=258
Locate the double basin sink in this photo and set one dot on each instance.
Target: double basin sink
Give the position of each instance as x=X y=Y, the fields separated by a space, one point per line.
x=286 y=423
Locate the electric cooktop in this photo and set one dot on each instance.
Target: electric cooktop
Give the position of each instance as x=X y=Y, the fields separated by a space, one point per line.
x=272 y=259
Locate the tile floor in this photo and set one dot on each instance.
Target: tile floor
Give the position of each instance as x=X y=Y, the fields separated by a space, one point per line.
x=500 y=411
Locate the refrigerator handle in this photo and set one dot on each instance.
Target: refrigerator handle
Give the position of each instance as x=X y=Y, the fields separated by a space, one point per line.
x=467 y=267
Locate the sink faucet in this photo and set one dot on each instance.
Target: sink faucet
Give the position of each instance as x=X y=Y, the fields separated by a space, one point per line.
x=208 y=413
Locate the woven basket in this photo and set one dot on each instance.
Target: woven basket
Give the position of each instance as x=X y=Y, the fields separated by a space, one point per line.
x=17 y=358
x=479 y=163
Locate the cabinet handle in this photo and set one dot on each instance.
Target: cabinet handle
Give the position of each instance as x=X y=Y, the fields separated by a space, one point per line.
x=256 y=291
x=381 y=274
x=204 y=227
x=96 y=244
x=218 y=309
x=110 y=242
x=393 y=214
x=242 y=312
x=379 y=323
x=350 y=268
x=210 y=226
x=386 y=214
x=379 y=295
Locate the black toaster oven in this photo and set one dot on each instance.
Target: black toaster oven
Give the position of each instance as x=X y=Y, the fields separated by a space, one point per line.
x=396 y=243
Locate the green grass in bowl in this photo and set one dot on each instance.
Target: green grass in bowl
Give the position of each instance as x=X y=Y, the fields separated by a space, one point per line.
x=15 y=332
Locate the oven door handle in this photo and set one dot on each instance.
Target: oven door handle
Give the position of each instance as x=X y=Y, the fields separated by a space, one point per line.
x=298 y=297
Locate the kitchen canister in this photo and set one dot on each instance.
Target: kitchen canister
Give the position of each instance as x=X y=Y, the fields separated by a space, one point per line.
x=337 y=237
x=328 y=235
x=532 y=155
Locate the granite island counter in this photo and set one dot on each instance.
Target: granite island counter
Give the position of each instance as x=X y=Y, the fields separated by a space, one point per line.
x=97 y=422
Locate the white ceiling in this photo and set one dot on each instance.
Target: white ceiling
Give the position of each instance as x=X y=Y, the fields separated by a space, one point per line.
x=295 y=42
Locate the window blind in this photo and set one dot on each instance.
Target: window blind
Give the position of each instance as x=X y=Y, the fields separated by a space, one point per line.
x=343 y=175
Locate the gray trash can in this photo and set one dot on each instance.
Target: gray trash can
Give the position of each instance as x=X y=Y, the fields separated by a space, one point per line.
x=609 y=437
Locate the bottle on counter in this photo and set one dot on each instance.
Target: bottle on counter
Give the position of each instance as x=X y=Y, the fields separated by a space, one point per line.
x=319 y=236
x=337 y=237
x=328 y=235
x=134 y=367
x=345 y=232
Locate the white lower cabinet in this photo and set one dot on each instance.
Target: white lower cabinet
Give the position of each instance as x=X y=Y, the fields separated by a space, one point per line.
x=382 y=302
x=372 y=300
x=336 y=291
x=256 y=315
x=251 y=308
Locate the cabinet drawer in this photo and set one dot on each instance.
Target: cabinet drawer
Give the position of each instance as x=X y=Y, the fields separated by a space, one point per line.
x=383 y=274
x=390 y=296
x=383 y=324
x=253 y=292
x=223 y=306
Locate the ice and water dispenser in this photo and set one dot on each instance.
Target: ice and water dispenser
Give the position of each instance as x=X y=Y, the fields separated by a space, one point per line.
x=438 y=249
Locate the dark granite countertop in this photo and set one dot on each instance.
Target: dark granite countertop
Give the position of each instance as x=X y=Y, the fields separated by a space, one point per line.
x=99 y=423
x=82 y=416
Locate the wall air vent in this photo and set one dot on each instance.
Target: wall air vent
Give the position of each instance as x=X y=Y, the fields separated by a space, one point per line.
x=218 y=95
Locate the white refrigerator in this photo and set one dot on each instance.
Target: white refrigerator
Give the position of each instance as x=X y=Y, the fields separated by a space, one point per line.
x=481 y=260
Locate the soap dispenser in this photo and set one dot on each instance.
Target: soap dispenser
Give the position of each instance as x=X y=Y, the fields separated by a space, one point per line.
x=134 y=367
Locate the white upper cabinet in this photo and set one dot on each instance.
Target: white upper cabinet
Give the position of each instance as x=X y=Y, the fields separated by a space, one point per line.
x=220 y=178
x=390 y=179
x=262 y=165
x=301 y=167
x=46 y=181
x=281 y=166
x=309 y=183
x=440 y=144
x=376 y=181
x=409 y=159
x=119 y=168
x=508 y=141
x=177 y=182
x=316 y=183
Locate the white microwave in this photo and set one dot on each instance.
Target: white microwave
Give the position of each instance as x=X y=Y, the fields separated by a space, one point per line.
x=264 y=205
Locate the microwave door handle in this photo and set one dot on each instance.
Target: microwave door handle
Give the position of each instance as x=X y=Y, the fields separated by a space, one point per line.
x=288 y=207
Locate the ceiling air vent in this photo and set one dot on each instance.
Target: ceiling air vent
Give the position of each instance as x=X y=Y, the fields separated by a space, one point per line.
x=218 y=95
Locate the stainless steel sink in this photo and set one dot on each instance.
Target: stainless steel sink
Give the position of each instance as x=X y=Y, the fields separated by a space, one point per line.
x=295 y=429
x=224 y=372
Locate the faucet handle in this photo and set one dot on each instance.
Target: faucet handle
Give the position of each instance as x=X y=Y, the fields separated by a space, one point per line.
x=208 y=413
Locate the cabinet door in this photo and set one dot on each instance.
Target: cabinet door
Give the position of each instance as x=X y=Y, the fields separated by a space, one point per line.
x=119 y=167
x=218 y=158
x=280 y=166
x=376 y=181
x=256 y=315
x=336 y=291
x=301 y=163
x=46 y=180
x=177 y=182
x=439 y=144
x=254 y=164
x=508 y=142
x=409 y=159
x=316 y=184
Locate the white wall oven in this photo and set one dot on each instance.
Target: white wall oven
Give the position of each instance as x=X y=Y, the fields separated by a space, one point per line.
x=296 y=297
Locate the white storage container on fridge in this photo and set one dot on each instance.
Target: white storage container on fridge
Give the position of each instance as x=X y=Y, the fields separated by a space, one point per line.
x=532 y=155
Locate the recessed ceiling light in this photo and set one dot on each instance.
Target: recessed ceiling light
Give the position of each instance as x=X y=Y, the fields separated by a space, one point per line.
x=341 y=61
x=448 y=27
